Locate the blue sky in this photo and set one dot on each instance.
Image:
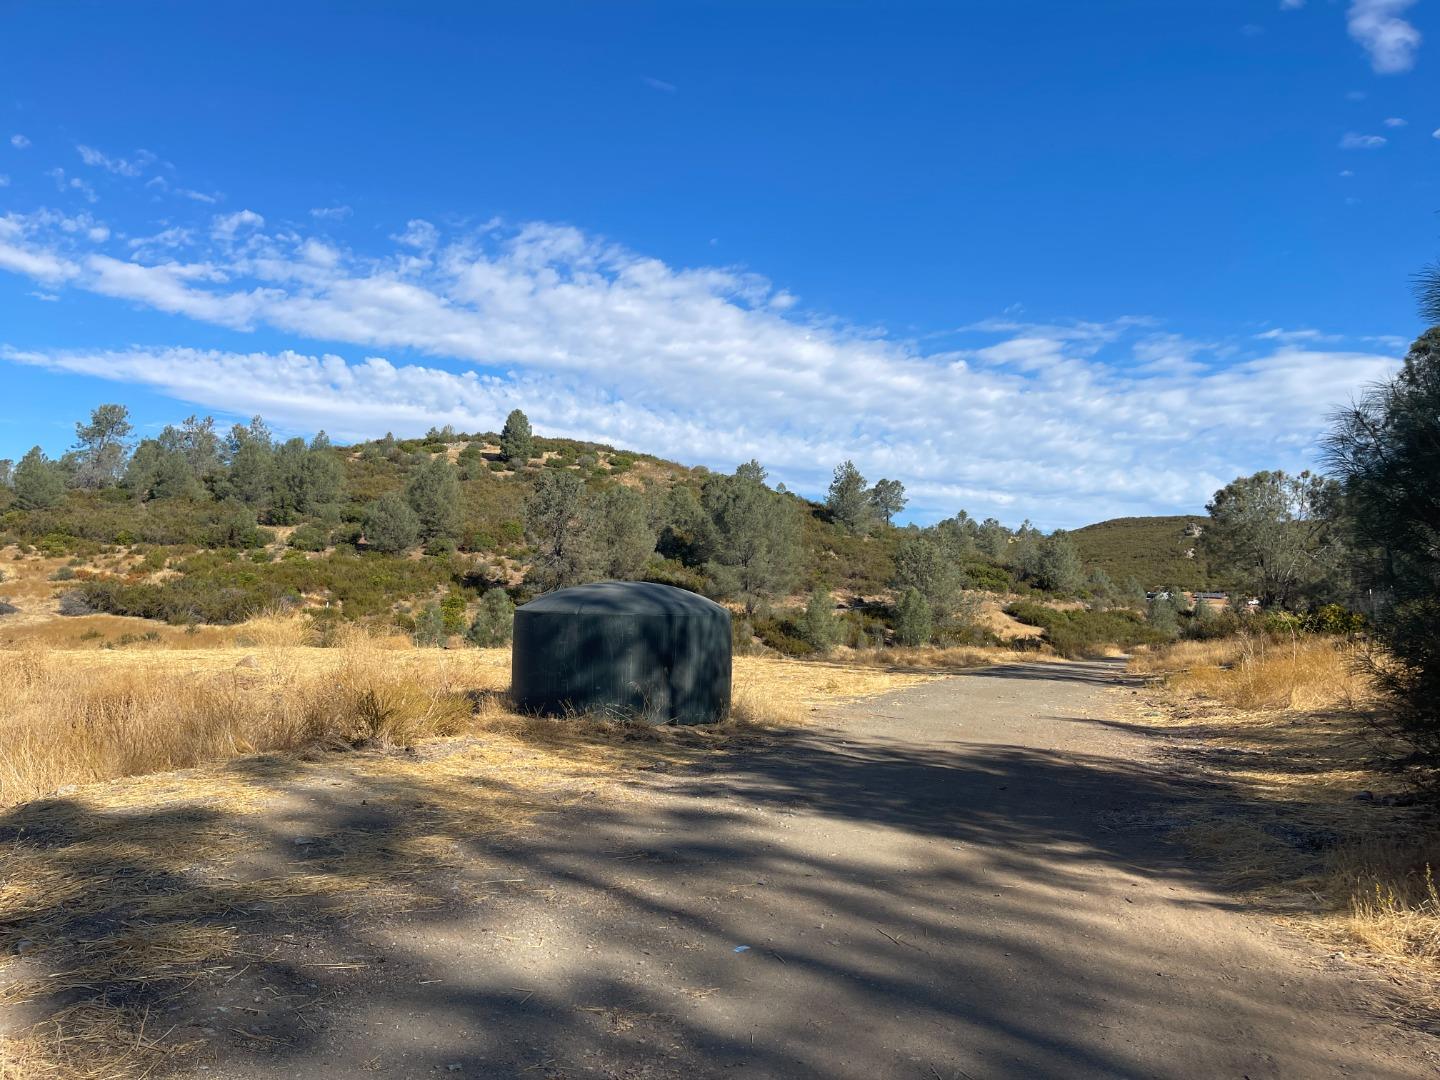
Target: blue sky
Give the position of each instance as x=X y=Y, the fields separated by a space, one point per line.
x=1057 y=260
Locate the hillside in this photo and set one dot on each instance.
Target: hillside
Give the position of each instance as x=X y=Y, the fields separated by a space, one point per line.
x=1152 y=550
x=198 y=527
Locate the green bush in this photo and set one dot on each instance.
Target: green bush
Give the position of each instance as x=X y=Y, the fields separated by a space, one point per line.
x=817 y=625
x=310 y=537
x=780 y=635
x=430 y=629
x=913 y=619
x=494 y=622
x=1079 y=632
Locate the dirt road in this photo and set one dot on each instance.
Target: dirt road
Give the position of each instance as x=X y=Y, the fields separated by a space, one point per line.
x=962 y=880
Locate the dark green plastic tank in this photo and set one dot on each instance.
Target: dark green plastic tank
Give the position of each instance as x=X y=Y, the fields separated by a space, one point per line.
x=630 y=648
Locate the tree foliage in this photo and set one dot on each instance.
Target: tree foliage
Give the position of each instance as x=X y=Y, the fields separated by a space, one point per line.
x=39 y=482
x=922 y=563
x=848 y=500
x=555 y=525
x=913 y=618
x=517 y=442
x=755 y=538
x=390 y=525
x=100 y=447
x=1280 y=536
x=817 y=625
x=887 y=498
x=434 y=494
x=1385 y=450
x=494 y=623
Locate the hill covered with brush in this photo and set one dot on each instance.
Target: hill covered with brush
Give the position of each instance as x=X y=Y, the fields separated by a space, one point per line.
x=1155 y=551
x=203 y=526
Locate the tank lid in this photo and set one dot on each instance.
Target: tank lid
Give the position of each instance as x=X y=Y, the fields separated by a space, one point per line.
x=622 y=598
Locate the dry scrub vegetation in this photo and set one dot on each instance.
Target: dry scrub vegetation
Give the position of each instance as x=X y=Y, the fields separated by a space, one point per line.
x=1313 y=823
x=145 y=791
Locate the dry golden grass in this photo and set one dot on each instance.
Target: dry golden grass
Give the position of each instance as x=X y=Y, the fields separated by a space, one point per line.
x=1256 y=672
x=1311 y=825
x=106 y=833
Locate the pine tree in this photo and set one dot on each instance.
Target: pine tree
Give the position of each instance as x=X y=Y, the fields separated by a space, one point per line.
x=754 y=538
x=517 y=443
x=100 y=446
x=887 y=498
x=434 y=495
x=848 y=500
x=39 y=482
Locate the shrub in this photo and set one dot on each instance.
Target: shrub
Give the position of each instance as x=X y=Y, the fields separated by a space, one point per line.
x=817 y=625
x=65 y=573
x=75 y=602
x=780 y=635
x=913 y=619
x=390 y=524
x=310 y=537
x=494 y=622
x=452 y=609
x=430 y=629
x=1078 y=633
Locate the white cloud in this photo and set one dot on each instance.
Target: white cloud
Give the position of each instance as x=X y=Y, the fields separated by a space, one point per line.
x=19 y=142
x=1291 y=5
x=331 y=213
x=210 y=198
x=1388 y=39
x=1347 y=172
x=1074 y=443
x=1068 y=422
x=226 y=226
x=1355 y=141
x=72 y=183
x=143 y=159
x=4 y=180
x=1395 y=122
x=660 y=84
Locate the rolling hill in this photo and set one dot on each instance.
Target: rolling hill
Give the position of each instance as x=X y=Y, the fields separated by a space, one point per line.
x=1152 y=550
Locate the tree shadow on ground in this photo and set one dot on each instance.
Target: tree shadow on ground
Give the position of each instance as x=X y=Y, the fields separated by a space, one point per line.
x=825 y=904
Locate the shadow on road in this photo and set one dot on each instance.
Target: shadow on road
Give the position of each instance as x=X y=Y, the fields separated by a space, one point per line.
x=907 y=898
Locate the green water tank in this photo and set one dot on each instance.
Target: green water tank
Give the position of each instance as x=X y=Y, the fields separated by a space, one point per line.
x=628 y=648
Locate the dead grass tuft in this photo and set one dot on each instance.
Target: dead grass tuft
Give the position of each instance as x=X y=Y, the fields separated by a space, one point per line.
x=1256 y=672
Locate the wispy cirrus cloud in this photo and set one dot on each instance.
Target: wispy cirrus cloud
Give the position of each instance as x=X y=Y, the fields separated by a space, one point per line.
x=1353 y=140
x=1068 y=421
x=1389 y=40
x=131 y=167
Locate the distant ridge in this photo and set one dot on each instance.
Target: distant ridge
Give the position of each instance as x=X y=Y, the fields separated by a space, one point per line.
x=1152 y=550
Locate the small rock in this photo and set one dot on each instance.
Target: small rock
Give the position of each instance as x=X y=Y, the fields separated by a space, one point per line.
x=25 y=945
x=1364 y=796
x=453 y=1067
x=302 y=841
x=66 y=789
